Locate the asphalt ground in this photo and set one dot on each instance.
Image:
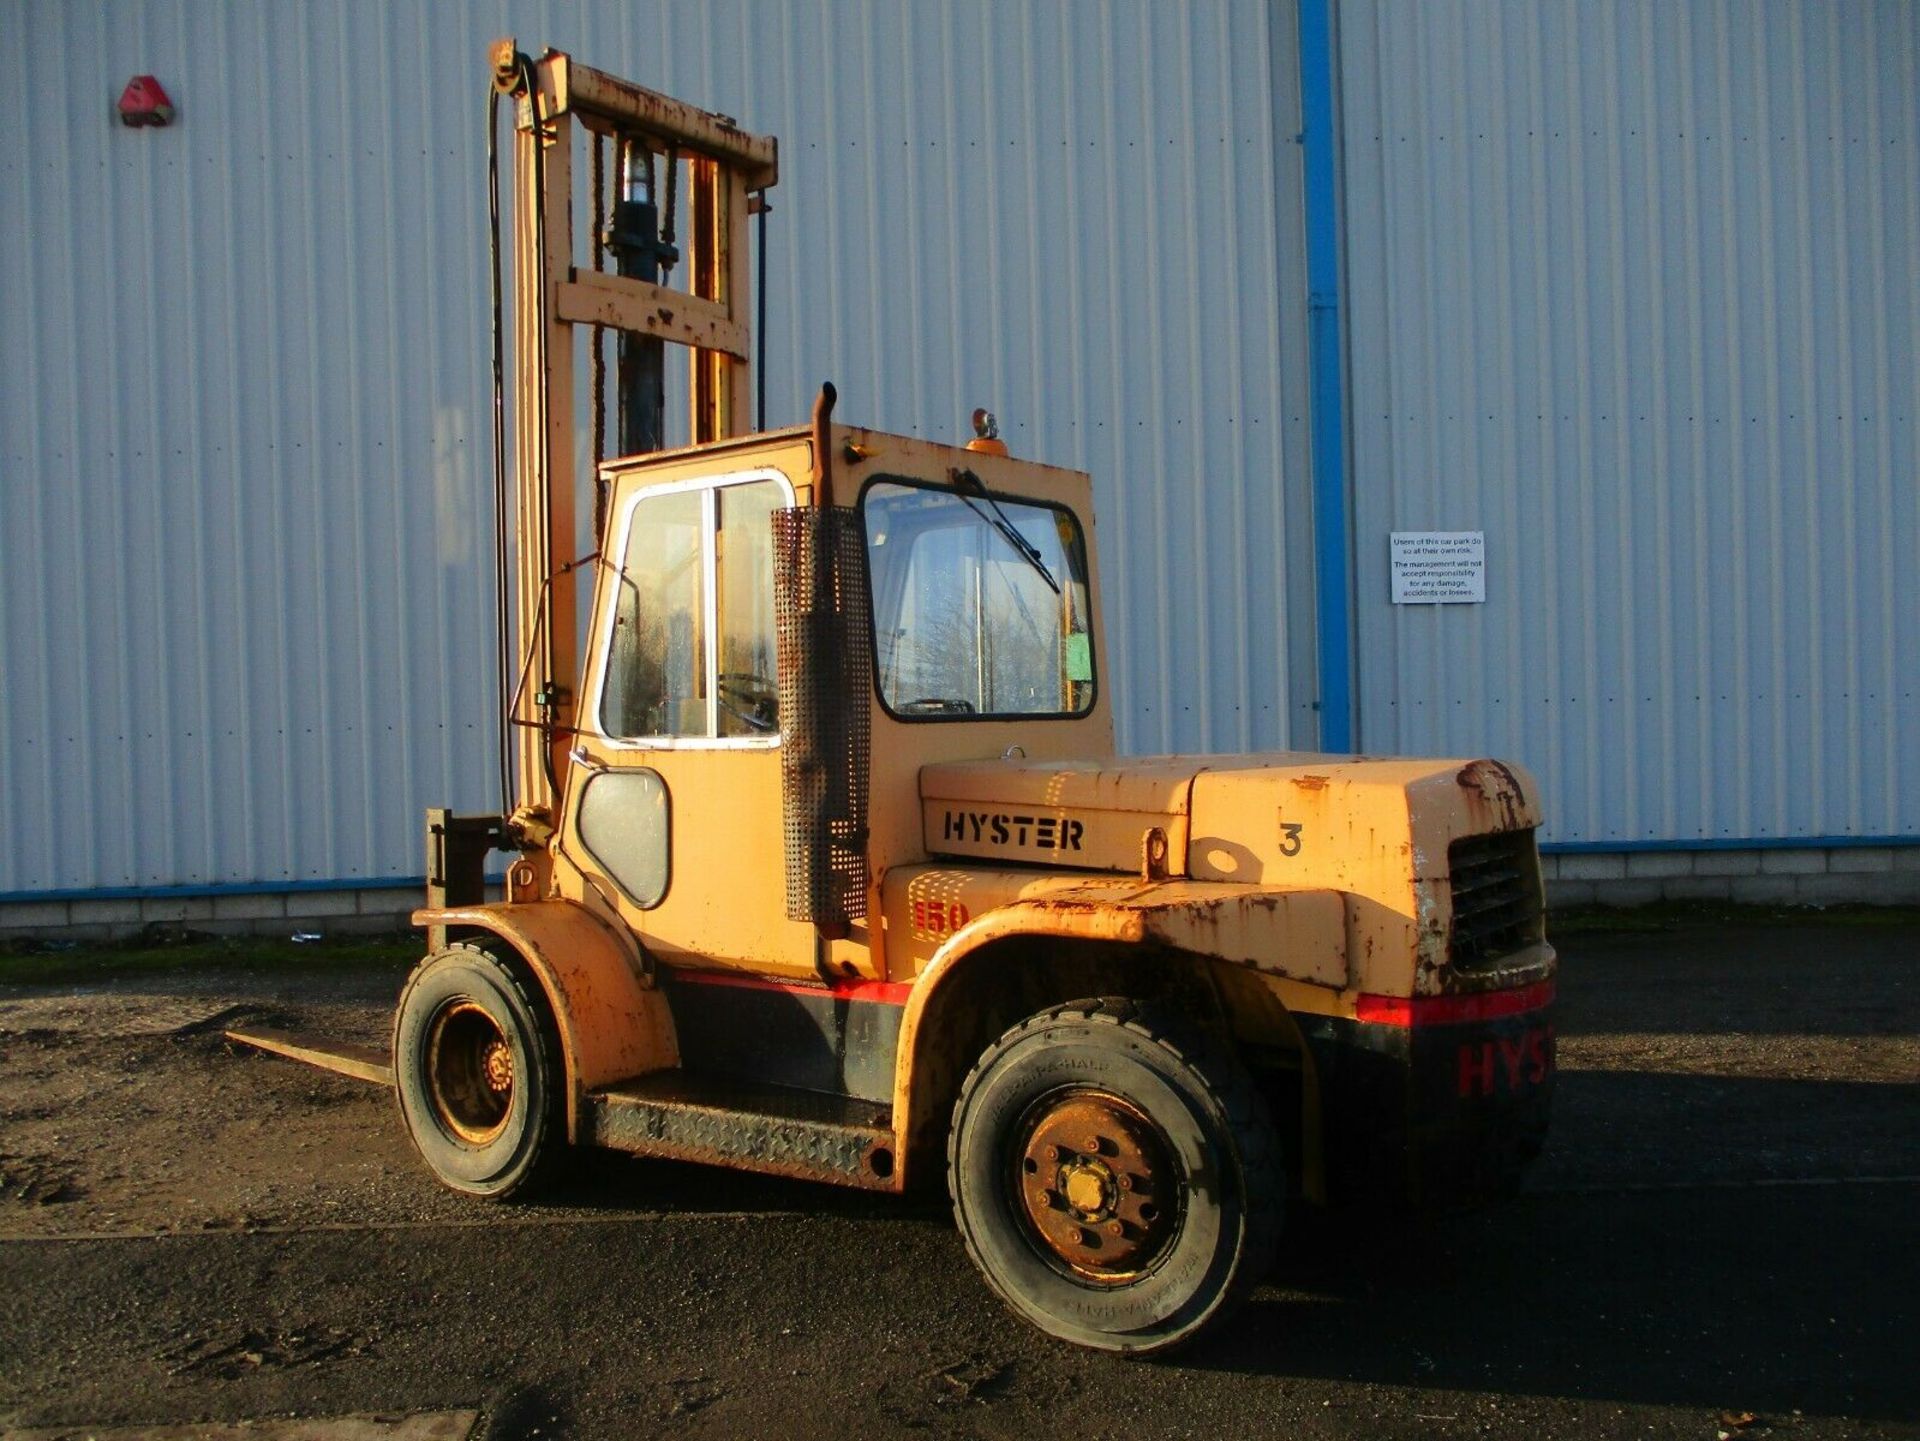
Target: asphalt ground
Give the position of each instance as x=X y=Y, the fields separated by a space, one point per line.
x=1720 y=1238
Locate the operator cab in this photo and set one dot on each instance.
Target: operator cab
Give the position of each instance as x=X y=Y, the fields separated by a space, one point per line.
x=983 y=642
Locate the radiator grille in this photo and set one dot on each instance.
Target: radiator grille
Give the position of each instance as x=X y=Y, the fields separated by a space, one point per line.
x=1496 y=896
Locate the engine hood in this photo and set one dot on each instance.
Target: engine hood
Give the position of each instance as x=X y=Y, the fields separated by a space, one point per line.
x=1275 y=816
x=1377 y=829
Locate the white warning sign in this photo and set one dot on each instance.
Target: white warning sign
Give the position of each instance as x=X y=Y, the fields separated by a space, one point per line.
x=1439 y=567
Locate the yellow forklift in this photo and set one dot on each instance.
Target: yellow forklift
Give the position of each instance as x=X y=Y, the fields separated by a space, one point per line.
x=821 y=861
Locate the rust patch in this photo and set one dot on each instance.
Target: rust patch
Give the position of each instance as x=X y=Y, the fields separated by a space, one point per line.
x=1496 y=787
x=1311 y=783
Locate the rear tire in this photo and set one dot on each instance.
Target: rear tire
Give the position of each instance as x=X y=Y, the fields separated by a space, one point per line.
x=1115 y=1175
x=477 y=1072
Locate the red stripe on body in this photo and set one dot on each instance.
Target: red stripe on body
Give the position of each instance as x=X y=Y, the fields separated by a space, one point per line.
x=883 y=993
x=1452 y=1010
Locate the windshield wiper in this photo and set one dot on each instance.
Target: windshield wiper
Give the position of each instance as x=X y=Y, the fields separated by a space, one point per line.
x=965 y=480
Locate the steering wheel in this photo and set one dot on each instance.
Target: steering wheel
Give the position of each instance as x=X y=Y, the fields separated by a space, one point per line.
x=936 y=705
x=751 y=699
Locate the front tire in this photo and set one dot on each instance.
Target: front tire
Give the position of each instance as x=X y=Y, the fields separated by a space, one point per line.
x=477 y=1071
x=1115 y=1175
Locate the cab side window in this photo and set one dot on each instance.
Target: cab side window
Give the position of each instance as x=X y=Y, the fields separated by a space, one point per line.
x=656 y=671
x=745 y=684
x=692 y=654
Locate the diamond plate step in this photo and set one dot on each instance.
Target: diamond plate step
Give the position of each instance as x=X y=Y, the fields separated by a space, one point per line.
x=758 y=1128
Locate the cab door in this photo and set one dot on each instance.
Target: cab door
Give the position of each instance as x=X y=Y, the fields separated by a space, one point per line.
x=674 y=803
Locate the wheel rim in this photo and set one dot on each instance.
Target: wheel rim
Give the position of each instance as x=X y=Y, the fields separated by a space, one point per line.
x=470 y=1072
x=1099 y=1189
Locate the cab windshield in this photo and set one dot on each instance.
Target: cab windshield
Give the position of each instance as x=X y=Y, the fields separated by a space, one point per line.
x=980 y=604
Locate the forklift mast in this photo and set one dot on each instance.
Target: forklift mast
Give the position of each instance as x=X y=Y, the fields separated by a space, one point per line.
x=728 y=171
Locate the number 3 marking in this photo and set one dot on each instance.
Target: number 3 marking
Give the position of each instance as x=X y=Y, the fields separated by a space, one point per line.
x=1289 y=838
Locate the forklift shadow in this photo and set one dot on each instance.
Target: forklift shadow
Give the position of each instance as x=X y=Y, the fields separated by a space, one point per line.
x=1795 y=979
x=616 y=1183
x=1798 y=1290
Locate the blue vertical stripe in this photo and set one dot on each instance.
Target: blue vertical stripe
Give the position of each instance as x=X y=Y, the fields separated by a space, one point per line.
x=1332 y=587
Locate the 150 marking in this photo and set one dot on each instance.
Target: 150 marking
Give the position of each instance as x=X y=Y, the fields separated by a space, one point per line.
x=939 y=918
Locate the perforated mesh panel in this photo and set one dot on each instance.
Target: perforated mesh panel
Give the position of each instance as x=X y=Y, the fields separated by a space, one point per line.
x=826 y=686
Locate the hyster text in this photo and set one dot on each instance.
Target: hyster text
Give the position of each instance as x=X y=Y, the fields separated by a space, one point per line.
x=1045 y=833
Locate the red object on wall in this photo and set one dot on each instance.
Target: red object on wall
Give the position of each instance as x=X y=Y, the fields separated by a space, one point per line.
x=143 y=102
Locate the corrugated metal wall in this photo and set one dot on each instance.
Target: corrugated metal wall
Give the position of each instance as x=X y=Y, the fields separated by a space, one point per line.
x=1634 y=287
x=243 y=518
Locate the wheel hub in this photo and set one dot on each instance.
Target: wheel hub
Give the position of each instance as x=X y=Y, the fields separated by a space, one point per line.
x=498 y=1066
x=1089 y=1189
x=469 y=1072
x=1098 y=1184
